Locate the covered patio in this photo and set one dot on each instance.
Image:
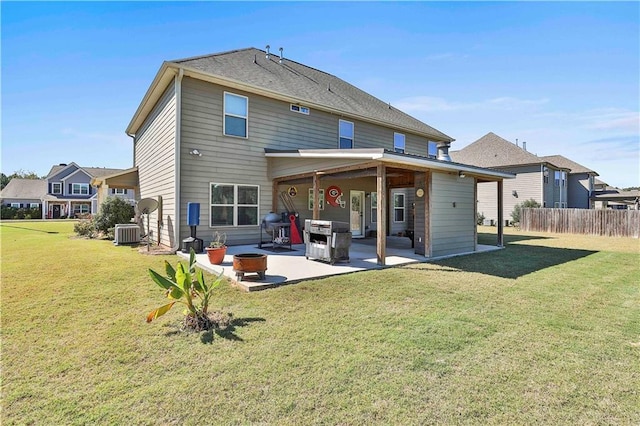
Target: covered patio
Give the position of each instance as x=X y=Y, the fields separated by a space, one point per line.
x=288 y=267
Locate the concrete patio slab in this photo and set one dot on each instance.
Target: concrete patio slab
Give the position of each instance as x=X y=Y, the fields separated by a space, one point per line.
x=287 y=267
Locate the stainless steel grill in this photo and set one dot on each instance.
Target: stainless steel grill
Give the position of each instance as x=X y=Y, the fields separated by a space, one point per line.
x=327 y=240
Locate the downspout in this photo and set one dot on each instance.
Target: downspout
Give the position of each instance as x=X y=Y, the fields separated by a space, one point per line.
x=542 y=184
x=176 y=189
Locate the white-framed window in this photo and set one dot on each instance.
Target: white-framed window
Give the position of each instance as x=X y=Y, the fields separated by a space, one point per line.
x=398 y=142
x=234 y=204
x=236 y=115
x=320 y=199
x=34 y=205
x=80 y=189
x=119 y=191
x=15 y=205
x=556 y=176
x=299 y=108
x=398 y=208
x=80 y=208
x=432 y=149
x=374 y=207
x=345 y=133
x=558 y=205
x=56 y=188
x=563 y=177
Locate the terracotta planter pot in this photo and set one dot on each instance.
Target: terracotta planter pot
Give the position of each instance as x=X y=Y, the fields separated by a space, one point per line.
x=249 y=263
x=216 y=254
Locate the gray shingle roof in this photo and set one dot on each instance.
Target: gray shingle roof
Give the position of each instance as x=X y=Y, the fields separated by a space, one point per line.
x=303 y=83
x=564 y=162
x=93 y=171
x=25 y=188
x=493 y=151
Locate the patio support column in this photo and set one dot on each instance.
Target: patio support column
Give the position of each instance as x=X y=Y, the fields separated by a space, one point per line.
x=500 y=215
x=427 y=213
x=475 y=214
x=316 y=196
x=68 y=209
x=381 y=240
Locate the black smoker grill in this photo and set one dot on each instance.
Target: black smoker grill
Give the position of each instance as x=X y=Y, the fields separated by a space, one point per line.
x=327 y=240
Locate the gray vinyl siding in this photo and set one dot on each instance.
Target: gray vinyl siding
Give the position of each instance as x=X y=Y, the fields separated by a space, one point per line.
x=452 y=227
x=154 y=155
x=527 y=185
x=578 y=191
x=234 y=160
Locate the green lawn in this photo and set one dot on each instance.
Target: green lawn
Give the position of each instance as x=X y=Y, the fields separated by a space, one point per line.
x=545 y=331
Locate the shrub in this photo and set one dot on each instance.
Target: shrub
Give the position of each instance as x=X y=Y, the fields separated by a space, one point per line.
x=9 y=212
x=85 y=228
x=530 y=203
x=480 y=218
x=113 y=210
x=186 y=286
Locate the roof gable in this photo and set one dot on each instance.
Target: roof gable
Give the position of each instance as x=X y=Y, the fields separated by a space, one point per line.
x=250 y=70
x=564 y=162
x=493 y=151
x=25 y=189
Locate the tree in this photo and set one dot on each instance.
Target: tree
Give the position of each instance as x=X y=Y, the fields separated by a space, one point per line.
x=113 y=210
x=530 y=203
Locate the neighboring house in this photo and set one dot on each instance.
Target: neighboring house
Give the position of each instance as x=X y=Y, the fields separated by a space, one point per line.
x=609 y=197
x=24 y=193
x=69 y=192
x=580 y=185
x=239 y=131
x=536 y=178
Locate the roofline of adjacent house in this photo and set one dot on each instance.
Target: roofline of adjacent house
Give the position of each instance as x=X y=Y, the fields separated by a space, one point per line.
x=532 y=164
x=98 y=180
x=168 y=70
x=389 y=157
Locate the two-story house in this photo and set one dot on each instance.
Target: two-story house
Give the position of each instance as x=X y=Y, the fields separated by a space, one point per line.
x=69 y=192
x=580 y=185
x=240 y=132
x=536 y=178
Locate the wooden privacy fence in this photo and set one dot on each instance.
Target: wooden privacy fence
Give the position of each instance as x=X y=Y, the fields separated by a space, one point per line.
x=610 y=223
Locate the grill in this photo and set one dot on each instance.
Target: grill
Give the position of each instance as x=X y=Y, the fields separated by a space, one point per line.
x=327 y=240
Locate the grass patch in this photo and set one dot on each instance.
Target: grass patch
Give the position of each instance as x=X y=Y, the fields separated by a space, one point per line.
x=545 y=331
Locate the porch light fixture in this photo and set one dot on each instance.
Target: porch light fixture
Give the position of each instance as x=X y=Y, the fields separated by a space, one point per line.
x=461 y=174
x=195 y=152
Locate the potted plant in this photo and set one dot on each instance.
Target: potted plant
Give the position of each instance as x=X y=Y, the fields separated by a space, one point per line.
x=217 y=249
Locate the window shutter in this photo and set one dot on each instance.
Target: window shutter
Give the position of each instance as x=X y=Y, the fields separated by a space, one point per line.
x=50 y=188
x=113 y=190
x=70 y=188
x=125 y=192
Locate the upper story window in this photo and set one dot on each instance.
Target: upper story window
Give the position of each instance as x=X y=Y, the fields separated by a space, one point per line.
x=398 y=142
x=556 y=175
x=300 y=109
x=80 y=189
x=119 y=191
x=346 y=134
x=563 y=177
x=56 y=188
x=234 y=205
x=432 y=150
x=236 y=115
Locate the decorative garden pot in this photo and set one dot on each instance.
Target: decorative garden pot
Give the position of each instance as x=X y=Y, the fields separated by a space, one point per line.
x=249 y=263
x=216 y=254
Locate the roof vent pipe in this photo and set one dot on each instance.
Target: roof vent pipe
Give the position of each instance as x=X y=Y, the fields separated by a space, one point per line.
x=443 y=151
x=280 y=61
x=267 y=55
x=524 y=145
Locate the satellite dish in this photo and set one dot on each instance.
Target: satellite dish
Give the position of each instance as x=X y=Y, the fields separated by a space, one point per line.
x=147 y=205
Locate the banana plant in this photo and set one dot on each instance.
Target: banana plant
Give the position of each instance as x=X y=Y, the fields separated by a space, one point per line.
x=186 y=286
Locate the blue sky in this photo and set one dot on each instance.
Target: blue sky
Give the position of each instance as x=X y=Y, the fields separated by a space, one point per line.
x=562 y=76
